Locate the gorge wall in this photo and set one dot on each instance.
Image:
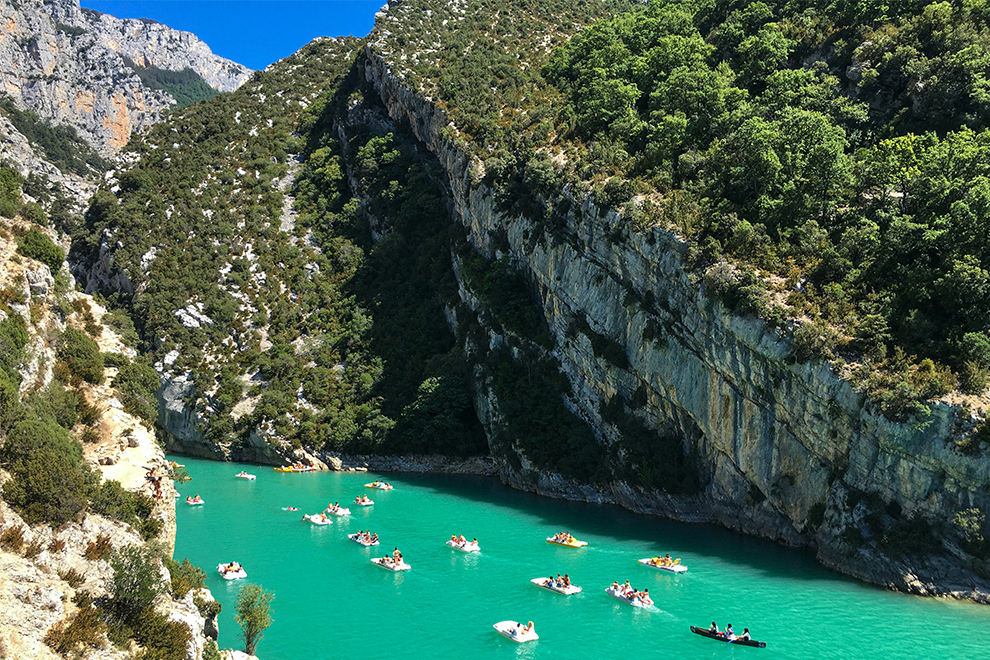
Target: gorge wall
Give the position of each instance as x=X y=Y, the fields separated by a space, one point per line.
x=785 y=450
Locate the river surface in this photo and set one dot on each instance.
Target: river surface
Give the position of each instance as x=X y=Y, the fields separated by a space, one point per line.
x=332 y=602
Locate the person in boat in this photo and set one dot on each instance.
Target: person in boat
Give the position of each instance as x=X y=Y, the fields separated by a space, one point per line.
x=729 y=632
x=528 y=627
x=714 y=629
x=474 y=541
x=397 y=555
x=615 y=586
x=745 y=636
x=566 y=581
x=644 y=596
x=627 y=588
x=374 y=537
x=461 y=539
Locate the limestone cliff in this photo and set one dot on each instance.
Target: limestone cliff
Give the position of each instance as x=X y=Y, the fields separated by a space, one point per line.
x=785 y=450
x=67 y=64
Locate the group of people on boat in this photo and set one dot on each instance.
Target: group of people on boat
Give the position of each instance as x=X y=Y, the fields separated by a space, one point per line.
x=729 y=633
x=334 y=508
x=664 y=561
x=627 y=592
x=232 y=567
x=461 y=542
x=563 y=537
x=383 y=485
x=322 y=517
x=362 y=499
x=367 y=537
x=559 y=583
x=521 y=629
x=394 y=560
x=194 y=500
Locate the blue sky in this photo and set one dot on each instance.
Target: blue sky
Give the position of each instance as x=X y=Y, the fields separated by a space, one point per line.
x=254 y=33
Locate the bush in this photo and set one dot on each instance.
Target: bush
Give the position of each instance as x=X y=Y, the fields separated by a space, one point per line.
x=99 y=548
x=137 y=383
x=162 y=638
x=56 y=545
x=72 y=577
x=136 y=582
x=12 y=539
x=35 y=244
x=207 y=608
x=46 y=487
x=185 y=577
x=82 y=628
x=33 y=549
x=82 y=355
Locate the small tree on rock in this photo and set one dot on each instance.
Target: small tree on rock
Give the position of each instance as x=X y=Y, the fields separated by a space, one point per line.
x=253 y=614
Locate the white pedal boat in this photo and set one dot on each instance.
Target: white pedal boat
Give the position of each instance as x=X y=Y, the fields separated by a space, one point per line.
x=357 y=539
x=389 y=565
x=573 y=543
x=195 y=502
x=379 y=485
x=223 y=570
x=635 y=601
x=245 y=475
x=670 y=568
x=513 y=630
x=339 y=511
x=363 y=502
x=552 y=585
x=467 y=546
x=317 y=519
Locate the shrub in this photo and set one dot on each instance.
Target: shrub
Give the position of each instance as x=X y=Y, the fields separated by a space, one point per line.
x=185 y=576
x=137 y=383
x=12 y=539
x=33 y=549
x=82 y=355
x=56 y=545
x=162 y=638
x=82 y=628
x=72 y=577
x=211 y=651
x=136 y=580
x=46 y=487
x=35 y=244
x=99 y=548
x=207 y=608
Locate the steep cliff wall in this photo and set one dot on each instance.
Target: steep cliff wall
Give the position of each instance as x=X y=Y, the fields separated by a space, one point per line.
x=67 y=65
x=784 y=450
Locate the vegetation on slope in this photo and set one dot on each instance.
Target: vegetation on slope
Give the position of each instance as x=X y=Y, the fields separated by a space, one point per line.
x=186 y=86
x=827 y=162
x=60 y=144
x=321 y=334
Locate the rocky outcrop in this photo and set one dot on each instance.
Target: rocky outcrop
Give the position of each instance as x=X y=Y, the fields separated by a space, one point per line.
x=182 y=427
x=66 y=64
x=785 y=450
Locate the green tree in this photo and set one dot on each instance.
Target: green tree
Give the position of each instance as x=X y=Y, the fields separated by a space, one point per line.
x=253 y=614
x=137 y=580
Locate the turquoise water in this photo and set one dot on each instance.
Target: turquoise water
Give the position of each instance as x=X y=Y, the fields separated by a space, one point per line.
x=331 y=602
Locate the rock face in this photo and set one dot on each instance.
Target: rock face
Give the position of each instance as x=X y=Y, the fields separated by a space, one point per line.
x=785 y=450
x=66 y=64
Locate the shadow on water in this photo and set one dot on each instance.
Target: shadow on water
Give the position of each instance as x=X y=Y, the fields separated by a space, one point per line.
x=584 y=519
